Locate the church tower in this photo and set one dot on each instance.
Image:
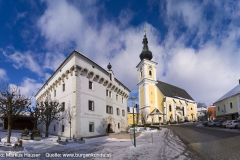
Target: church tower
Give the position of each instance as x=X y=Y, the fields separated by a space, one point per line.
x=147 y=80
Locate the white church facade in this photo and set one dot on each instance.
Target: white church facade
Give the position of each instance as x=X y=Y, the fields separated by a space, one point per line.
x=96 y=98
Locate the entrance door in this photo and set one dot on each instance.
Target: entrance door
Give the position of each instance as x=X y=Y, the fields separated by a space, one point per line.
x=109 y=128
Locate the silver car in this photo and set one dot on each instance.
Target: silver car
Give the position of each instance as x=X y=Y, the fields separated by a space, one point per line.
x=224 y=124
x=212 y=123
x=233 y=124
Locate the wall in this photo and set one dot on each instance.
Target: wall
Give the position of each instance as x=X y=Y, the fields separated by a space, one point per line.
x=220 y=106
x=77 y=94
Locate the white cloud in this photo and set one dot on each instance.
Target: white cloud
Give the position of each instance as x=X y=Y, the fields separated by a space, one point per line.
x=61 y=23
x=53 y=60
x=47 y=76
x=206 y=72
x=102 y=42
x=190 y=13
x=3 y=75
x=22 y=59
x=210 y=70
x=29 y=87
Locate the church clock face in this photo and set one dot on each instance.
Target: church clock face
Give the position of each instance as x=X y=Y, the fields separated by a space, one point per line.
x=150 y=67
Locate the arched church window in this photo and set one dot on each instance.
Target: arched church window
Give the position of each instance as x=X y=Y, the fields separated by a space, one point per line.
x=150 y=70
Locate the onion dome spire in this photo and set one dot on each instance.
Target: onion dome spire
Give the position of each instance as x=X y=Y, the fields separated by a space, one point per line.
x=146 y=53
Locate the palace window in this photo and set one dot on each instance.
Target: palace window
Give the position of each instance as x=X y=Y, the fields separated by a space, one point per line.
x=90 y=105
x=109 y=93
x=63 y=106
x=62 y=128
x=123 y=113
x=109 y=109
x=63 y=87
x=118 y=125
x=91 y=127
x=183 y=111
x=118 y=111
x=91 y=85
x=170 y=108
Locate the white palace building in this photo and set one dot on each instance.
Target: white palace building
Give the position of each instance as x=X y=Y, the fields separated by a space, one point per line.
x=97 y=100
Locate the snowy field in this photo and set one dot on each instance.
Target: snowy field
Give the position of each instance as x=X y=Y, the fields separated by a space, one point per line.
x=149 y=145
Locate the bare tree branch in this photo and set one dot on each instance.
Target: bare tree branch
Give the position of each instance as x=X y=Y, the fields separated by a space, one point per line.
x=49 y=112
x=12 y=105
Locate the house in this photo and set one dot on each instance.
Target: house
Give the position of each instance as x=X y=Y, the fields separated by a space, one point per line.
x=22 y=121
x=131 y=115
x=173 y=103
x=228 y=106
x=211 y=112
x=201 y=113
x=97 y=99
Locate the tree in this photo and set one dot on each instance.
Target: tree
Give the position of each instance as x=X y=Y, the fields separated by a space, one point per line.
x=36 y=115
x=49 y=112
x=70 y=115
x=209 y=113
x=12 y=105
x=143 y=116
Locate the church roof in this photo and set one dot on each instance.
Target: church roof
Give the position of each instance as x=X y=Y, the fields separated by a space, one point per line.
x=234 y=91
x=172 y=91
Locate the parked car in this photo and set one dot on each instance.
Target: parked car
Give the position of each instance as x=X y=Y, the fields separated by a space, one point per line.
x=212 y=123
x=219 y=124
x=233 y=124
x=225 y=123
x=205 y=123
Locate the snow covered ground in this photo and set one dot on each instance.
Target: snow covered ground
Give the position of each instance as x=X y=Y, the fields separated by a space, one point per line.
x=149 y=145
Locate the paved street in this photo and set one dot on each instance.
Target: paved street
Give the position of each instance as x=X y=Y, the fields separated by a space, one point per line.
x=209 y=143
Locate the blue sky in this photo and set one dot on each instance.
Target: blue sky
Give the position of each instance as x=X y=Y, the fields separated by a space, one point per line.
x=195 y=43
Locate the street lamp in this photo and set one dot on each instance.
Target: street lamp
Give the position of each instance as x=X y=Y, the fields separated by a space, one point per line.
x=133 y=104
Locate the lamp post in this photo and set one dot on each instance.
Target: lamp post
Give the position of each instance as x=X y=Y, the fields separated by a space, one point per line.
x=70 y=128
x=159 y=122
x=133 y=104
